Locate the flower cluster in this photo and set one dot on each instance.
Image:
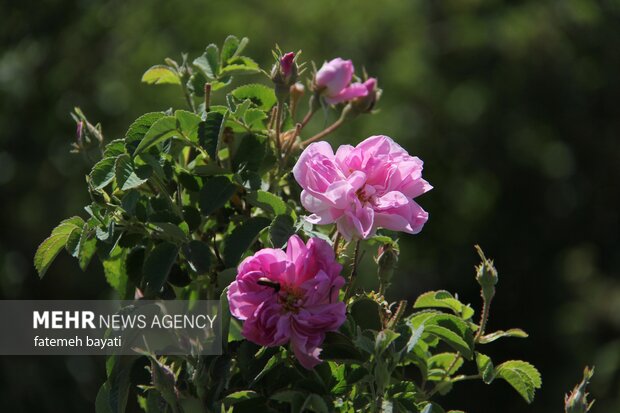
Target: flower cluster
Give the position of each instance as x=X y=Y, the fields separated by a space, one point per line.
x=293 y=296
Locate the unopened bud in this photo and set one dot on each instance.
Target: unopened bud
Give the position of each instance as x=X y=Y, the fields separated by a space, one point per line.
x=577 y=400
x=79 y=133
x=387 y=259
x=365 y=104
x=486 y=275
x=284 y=75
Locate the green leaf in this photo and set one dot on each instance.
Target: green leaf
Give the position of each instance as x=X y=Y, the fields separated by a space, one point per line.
x=443 y=299
x=51 y=246
x=188 y=123
x=295 y=398
x=513 y=332
x=139 y=128
x=315 y=403
x=522 y=376
x=231 y=44
x=242 y=238
x=268 y=202
x=198 y=256
x=127 y=175
x=339 y=347
x=240 y=396
x=439 y=364
x=214 y=194
x=103 y=172
x=102 y=404
x=115 y=270
x=160 y=74
x=250 y=153
x=281 y=229
x=169 y=231
x=451 y=329
x=273 y=362
x=384 y=339
x=485 y=367
x=114 y=148
x=157 y=266
x=159 y=131
x=260 y=95
x=253 y=118
x=241 y=66
x=209 y=62
x=210 y=132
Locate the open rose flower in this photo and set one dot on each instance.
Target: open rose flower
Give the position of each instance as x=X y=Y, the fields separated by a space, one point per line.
x=362 y=188
x=334 y=78
x=289 y=296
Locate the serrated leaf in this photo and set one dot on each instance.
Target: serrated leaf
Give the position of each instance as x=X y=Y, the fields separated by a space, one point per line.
x=210 y=132
x=268 y=202
x=159 y=131
x=241 y=66
x=51 y=246
x=127 y=175
x=485 y=367
x=240 y=396
x=253 y=118
x=384 y=339
x=241 y=239
x=198 y=256
x=250 y=153
x=114 y=270
x=231 y=44
x=188 y=123
x=160 y=74
x=260 y=95
x=513 y=332
x=273 y=361
x=139 y=128
x=114 y=148
x=215 y=192
x=281 y=229
x=522 y=376
x=443 y=299
x=439 y=364
x=169 y=231
x=209 y=62
x=103 y=172
x=157 y=266
x=448 y=328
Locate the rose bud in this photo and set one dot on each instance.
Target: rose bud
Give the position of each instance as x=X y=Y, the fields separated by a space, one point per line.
x=365 y=104
x=284 y=74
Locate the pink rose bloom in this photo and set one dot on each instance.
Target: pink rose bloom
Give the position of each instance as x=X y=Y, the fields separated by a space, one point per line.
x=362 y=188
x=335 y=80
x=289 y=296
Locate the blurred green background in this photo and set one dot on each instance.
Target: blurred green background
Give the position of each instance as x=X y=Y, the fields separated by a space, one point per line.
x=513 y=106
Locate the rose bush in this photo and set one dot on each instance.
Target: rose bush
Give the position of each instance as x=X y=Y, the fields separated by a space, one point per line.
x=200 y=203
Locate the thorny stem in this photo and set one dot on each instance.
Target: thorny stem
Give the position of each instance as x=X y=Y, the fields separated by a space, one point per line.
x=486 y=306
x=278 y=127
x=336 y=243
x=356 y=254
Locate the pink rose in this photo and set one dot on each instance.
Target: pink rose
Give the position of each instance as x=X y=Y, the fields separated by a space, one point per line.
x=362 y=188
x=289 y=296
x=335 y=80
